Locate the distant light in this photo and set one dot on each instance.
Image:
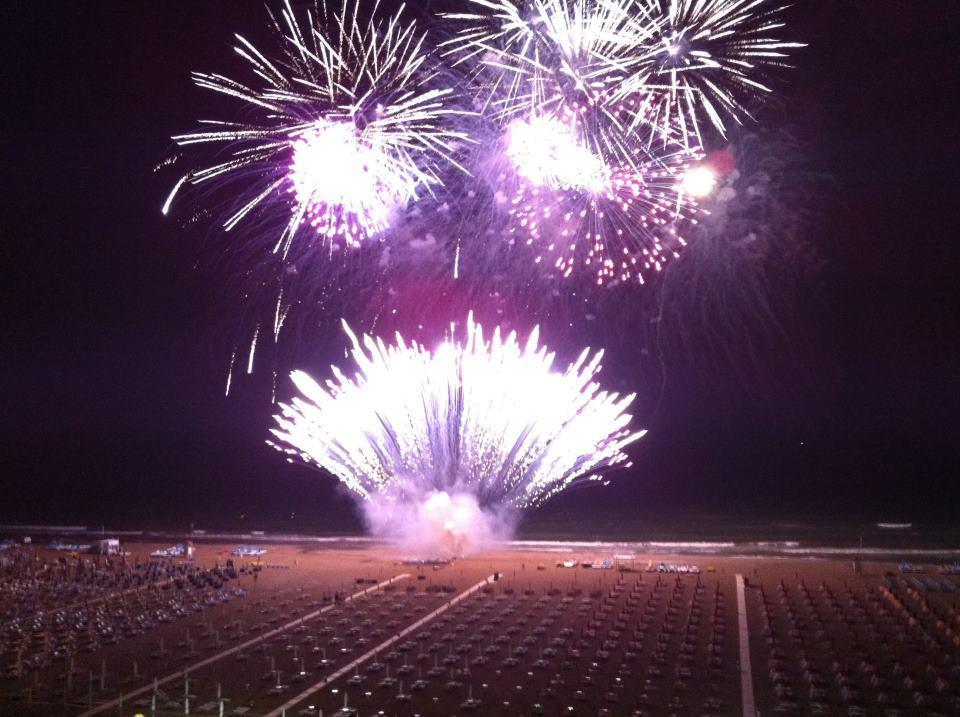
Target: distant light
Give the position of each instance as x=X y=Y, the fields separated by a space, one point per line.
x=699 y=181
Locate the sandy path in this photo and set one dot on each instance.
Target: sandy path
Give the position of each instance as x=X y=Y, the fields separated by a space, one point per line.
x=746 y=672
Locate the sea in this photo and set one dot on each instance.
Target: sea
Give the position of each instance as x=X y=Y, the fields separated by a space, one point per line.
x=693 y=535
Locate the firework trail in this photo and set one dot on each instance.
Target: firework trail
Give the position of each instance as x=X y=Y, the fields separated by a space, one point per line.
x=560 y=57
x=349 y=124
x=706 y=59
x=460 y=437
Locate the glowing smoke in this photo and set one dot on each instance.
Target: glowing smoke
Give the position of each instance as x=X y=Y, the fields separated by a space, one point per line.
x=439 y=523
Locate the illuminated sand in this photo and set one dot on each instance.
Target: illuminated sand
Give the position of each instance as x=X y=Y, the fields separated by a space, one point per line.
x=574 y=641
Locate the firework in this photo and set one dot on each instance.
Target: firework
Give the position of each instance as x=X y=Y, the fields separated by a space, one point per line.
x=581 y=212
x=600 y=104
x=547 y=153
x=347 y=126
x=651 y=65
x=484 y=424
x=706 y=59
x=554 y=57
x=590 y=175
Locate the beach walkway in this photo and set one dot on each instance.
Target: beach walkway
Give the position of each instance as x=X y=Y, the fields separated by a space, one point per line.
x=746 y=673
x=292 y=702
x=179 y=674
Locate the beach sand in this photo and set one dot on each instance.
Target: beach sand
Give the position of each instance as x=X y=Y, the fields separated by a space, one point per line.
x=539 y=639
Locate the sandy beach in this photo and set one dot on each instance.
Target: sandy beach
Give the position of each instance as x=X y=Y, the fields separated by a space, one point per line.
x=356 y=630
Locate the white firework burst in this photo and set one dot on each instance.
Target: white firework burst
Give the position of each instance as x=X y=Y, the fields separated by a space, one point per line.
x=349 y=123
x=609 y=98
x=706 y=59
x=588 y=179
x=534 y=57
x=617 y=221
x=486 y=418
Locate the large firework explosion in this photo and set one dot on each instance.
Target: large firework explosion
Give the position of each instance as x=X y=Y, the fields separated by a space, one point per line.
x=578 y=211
x=674 y=61
x=599 y=105
x=467 y=432
x=585 y=122
x=351 y=125
x=551 y=57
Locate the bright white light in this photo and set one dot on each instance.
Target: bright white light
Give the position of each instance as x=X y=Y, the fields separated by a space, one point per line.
x=345 y=185
x=455 y=523
x=699 y=181
x=483 y=417
x=546 y=151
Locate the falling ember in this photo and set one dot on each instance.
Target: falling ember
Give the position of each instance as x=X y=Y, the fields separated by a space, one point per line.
x=487 y=423
x=233 y=359
x=253 y=350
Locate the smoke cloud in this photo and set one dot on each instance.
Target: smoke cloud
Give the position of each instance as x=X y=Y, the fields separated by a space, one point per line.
x=440 y=524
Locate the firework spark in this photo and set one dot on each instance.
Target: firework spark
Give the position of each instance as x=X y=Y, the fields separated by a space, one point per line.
x=593 y=177
x=348 y=125
x=707 y=58
x=580 y=212
x=488 y=423
x=554 y=57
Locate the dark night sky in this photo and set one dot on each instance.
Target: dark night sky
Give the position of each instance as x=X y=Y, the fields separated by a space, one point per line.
x=115 y=345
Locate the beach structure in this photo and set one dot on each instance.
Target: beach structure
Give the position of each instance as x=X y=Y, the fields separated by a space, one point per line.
x=248 y=551
x=109 y=546
x=174 y=551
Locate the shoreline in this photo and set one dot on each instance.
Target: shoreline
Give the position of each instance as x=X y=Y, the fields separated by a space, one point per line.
x=798 y=549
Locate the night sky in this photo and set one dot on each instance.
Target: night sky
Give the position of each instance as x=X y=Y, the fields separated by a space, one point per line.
x=117 y=333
